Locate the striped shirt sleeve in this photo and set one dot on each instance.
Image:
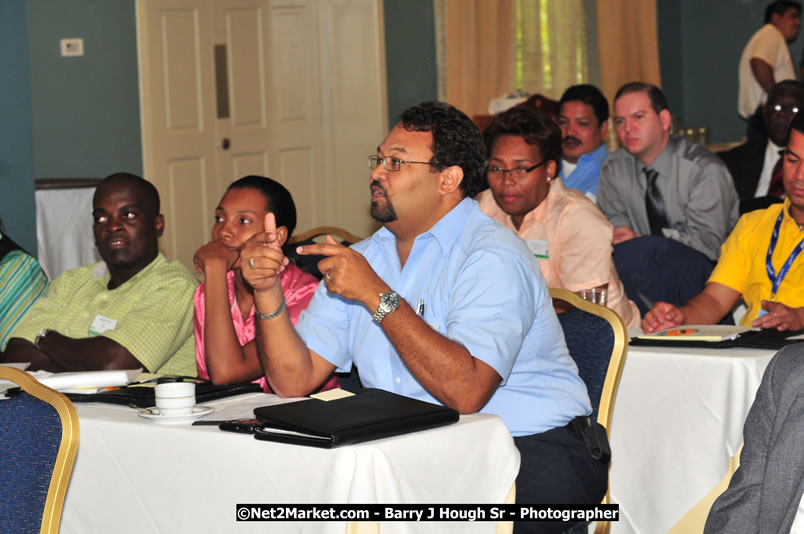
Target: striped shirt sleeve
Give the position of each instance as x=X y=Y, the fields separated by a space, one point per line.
x=21 y=283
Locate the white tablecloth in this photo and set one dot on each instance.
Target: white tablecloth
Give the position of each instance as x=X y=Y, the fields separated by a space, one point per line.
x=678 y=418
x=132 y=475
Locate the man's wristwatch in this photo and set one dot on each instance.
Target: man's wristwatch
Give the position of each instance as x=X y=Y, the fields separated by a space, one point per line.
x=389 y=302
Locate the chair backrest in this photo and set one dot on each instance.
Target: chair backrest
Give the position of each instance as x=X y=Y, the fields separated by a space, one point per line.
x=316 y=235
x=39 y=440
x=695 y=519
x=597 y=340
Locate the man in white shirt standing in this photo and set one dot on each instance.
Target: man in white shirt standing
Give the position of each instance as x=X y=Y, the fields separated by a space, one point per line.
x=766 y=60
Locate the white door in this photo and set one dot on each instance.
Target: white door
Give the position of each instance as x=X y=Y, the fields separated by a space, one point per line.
x=355 y=106
x=177 y=97
x=291 y=89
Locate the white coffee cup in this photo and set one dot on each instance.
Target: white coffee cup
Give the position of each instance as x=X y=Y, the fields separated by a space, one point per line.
x=175 y=398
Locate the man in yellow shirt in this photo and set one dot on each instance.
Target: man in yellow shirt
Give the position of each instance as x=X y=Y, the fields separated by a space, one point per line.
x=759 y=261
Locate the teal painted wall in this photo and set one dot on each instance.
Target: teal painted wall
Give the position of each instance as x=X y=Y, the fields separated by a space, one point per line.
x=668 y=12
x=410 y=54
x=700 y=44
x=85 y=109
x=16 y=146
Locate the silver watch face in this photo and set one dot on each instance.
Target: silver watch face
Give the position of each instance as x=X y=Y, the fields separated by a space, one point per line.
x=389 y=302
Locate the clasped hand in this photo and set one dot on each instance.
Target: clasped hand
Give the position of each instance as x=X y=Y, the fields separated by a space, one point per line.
x=215 y=252
x=662 y=316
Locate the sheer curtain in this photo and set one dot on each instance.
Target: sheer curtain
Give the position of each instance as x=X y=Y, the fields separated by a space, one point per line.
x=552 y=45
x=475 y=45
x=628 y=43
x=487 y=48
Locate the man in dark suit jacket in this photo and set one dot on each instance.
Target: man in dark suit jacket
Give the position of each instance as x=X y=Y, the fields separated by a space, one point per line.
x=765 y=492
x=752 y=164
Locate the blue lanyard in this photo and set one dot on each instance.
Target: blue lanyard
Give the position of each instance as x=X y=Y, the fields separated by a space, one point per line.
x=776 y=280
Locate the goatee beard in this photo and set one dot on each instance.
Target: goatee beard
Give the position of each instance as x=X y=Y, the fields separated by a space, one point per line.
x=383 y=214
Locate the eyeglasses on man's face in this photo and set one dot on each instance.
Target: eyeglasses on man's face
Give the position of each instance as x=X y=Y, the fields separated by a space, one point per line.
x=495 y=171
x=391 y=164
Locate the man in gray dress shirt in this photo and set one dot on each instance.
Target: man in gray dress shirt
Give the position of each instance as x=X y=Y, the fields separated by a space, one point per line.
x=664 y=186
x=700 y=202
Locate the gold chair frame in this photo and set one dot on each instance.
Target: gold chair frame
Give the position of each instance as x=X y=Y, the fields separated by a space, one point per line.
x=318 y=231
x=608 y=395
x=695 y=519
x=68 y=448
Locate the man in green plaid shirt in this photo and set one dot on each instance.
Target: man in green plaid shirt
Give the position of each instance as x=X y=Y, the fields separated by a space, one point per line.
x=133 y=309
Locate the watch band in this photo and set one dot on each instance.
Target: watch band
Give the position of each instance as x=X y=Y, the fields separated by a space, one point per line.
x=380 y=314
x=389 y=302
x=269 y=316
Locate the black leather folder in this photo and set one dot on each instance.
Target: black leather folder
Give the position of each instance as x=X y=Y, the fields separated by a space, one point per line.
x=755 y=339
x=368 y=415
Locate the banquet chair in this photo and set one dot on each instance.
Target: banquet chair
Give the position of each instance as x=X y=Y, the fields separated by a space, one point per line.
x=39 y=440
x=694 y=521
x=597 y=340
x=317 y=235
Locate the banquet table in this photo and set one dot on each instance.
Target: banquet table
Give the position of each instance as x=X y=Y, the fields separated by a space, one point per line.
x=132 y=475
x=678 y=418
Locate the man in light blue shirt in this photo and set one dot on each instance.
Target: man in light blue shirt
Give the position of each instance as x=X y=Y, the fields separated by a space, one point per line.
x=441 y=304
x=584 y=120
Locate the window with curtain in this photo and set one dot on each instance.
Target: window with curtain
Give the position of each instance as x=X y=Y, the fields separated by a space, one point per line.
x=550 y=48
x=487 y=48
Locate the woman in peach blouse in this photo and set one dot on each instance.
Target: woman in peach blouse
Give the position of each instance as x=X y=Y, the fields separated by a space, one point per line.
x=566 y=231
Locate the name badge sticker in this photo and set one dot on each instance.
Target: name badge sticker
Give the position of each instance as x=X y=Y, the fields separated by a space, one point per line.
x=538 y=247
x=101 y=324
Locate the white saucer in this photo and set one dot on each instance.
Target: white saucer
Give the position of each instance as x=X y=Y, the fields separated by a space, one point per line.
x=153 y=414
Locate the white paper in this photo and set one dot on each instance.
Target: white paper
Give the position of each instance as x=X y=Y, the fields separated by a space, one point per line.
x=87 y=379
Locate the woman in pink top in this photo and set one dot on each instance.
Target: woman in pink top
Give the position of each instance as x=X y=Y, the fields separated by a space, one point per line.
x=566 y=231
x=224 y=304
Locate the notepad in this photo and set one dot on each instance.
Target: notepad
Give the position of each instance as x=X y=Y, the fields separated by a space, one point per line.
x=715 y=332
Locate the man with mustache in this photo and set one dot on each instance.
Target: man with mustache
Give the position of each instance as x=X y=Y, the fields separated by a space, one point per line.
x=441 y=304
x=584 y=120
x=134 y=309
x=675 y=196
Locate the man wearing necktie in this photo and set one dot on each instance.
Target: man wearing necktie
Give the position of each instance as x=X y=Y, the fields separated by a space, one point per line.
x=760 y=262
x=756 y=166
x=674 y=192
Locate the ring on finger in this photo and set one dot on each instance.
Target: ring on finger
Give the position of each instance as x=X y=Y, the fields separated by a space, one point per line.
x=328 y=277
x=251 y=263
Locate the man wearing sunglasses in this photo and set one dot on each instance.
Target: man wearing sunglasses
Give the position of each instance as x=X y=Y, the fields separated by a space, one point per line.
x=756 y=166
